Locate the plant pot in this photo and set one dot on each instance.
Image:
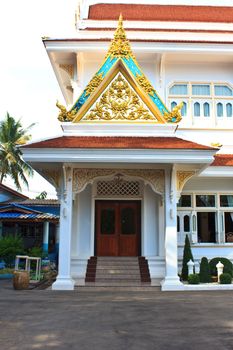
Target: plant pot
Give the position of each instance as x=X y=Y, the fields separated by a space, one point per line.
x=214 y=279
x=21 y=280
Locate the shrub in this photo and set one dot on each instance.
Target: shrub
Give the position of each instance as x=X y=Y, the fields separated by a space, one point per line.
x=10 y=246
x=228 y=267
x=187 y=255
x=193 y=279
x=205 y=276
x=225 y=278
x=36 y=252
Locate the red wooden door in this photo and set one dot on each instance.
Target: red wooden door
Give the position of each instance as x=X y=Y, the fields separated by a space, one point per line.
x=117 y=228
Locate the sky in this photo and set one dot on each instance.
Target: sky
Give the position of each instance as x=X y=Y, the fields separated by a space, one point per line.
x=28 y=87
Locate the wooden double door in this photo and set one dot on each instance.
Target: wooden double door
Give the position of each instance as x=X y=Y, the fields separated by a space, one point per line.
x=118 y=226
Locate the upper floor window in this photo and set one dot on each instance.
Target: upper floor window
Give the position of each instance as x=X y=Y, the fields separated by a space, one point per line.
x=202 y=100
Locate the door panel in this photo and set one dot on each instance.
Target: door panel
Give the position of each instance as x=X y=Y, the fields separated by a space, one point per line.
x=107 y=229
x=128 y=233
x=117 y=228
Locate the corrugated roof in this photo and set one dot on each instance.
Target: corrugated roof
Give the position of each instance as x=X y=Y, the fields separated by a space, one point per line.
x=34 y=216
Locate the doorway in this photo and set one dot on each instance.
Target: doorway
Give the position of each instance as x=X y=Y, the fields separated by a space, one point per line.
x=118 y=228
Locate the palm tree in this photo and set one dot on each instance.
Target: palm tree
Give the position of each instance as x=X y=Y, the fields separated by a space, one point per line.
x=12 y=135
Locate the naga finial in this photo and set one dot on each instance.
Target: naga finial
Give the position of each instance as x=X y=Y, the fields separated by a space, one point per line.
x=65 y=115
x=174 y=116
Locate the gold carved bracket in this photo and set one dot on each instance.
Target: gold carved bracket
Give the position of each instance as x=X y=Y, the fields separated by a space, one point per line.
x=154 y=177
x=182 y=176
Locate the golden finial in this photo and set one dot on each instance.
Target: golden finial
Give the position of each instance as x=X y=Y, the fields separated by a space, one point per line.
x=120 y=46
x=174 y=116
x=216 y=144
x=65 y=115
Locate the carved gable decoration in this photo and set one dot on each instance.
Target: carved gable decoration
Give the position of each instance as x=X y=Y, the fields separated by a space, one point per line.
x=119 y=101
x=118 y=98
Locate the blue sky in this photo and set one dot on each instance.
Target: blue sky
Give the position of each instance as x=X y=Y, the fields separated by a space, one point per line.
x=28 y=87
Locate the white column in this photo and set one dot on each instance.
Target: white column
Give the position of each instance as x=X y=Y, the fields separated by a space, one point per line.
x=171 y=280
x=46 y=237
x=64 y=280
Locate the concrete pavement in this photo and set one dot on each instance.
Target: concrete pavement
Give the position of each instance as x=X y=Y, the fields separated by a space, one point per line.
x=44 y=319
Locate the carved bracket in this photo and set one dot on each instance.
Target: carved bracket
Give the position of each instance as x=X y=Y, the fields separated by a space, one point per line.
x=154 y=177
x=182 y=176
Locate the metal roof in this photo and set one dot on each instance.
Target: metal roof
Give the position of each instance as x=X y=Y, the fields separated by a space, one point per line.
x=34 y=216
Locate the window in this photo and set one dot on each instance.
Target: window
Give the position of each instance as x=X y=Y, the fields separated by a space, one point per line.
x=226 y=200
x=228 y=227
x=184 y=109
x=229 y=109
x=206 y=227
x=178 y=223
x=222 y=90
x=186 y=223
x=219 y=109
x=205 y=200
x=197 y=109
x=201 y=90
x=203 y=100
x=173 y=105
x=185 y=201
x=107 y=222
x=179 y=89
x=206 y=108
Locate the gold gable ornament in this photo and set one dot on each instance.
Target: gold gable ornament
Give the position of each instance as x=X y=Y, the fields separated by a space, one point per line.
x=174 y=114
x=65 y=115
x=120 y=46
x=119 y=102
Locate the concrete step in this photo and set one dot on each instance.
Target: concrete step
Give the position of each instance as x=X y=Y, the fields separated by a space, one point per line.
x=94 y=288
x=117 y=283
x=117 y=272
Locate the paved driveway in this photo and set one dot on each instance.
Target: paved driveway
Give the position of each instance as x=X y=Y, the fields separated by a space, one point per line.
x=123 y=321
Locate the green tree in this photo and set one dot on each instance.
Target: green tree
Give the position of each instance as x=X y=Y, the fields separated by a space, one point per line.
x=12 y=135
x=10 y=246
x=205 y=276
x=42 y=195
x=187 y=255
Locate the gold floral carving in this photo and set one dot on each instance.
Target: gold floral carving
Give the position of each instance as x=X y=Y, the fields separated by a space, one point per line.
x=68 y=68
x=119 y=102
x=93 y=84
x=65 y=115
x=120 y=46
x=145 y=84
x=83 y=177
x=174 y=115
x=182 y=177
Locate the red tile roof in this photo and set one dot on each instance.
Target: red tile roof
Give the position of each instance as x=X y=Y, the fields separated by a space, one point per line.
x=118 y=142
x=223 y=160
x=161 y=13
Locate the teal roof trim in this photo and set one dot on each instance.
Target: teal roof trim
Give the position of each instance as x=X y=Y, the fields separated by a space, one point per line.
x=134 y=69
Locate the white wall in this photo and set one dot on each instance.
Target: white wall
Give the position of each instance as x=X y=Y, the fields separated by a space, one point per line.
x=150 y=236
x=84 y=249
x=209 y=185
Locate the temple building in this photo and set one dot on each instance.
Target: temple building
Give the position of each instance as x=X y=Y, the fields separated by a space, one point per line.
x=146 y=154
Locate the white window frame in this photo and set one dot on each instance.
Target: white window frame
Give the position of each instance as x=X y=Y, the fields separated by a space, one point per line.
x=212 y=99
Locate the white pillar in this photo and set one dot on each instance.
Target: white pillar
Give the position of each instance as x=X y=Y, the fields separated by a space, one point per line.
x=64 y=280
x=46 y=237
x=171 y=280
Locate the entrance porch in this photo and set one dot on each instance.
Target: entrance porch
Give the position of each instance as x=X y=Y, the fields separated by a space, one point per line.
x=118 y=212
